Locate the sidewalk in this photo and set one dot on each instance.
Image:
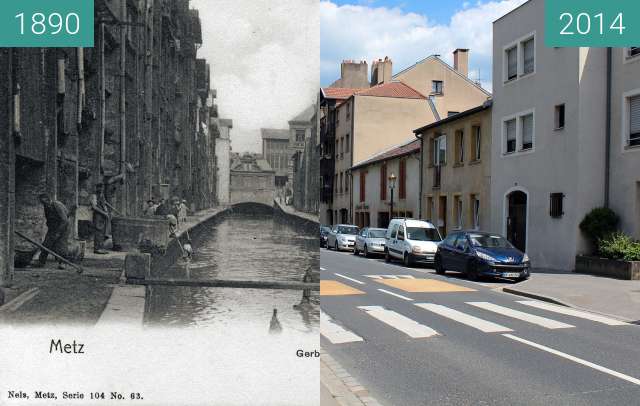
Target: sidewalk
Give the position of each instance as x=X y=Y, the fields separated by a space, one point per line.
x=338 y=387
x=291 y=211
x=52 y=296
x=612 y=297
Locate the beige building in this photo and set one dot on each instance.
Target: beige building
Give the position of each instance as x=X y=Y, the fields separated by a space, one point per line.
x=372 y=188
x=456 y=180
x=359 y=123
x=277 y=152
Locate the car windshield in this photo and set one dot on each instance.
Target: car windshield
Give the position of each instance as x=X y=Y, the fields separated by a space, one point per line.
x=489 y=241
x=423 y=234
x=325 y=229
x=377 y=233
x=347 y=230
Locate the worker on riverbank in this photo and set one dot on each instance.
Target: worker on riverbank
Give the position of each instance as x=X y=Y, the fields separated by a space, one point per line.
x=101 y=219
x=182 y=213
x=58 y=228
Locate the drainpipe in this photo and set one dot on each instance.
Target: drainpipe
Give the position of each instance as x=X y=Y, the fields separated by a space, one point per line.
x=419 y=136
x=607 y=159
x=80 y=56
x=102 y=110
x=123 y=100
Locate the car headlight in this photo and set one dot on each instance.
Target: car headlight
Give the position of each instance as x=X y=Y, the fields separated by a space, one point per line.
x=416 y=250
x=484 y=256
x=525 y=258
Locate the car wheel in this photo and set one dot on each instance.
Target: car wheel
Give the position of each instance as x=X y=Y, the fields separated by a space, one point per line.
x=406 y=260
x=335 y=247
x=472 y=272
x=355 y=250
x=438 y=265
x=366 y=252
x=387 y=258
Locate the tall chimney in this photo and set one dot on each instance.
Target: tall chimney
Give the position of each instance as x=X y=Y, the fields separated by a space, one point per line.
x=381 y=71
x=461 y=61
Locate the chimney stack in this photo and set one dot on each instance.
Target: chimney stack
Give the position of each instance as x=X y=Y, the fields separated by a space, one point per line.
x=381 y=71
x=461 y=61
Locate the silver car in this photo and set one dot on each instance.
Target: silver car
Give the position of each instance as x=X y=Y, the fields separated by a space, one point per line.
x=342 y=237
x=370 y=241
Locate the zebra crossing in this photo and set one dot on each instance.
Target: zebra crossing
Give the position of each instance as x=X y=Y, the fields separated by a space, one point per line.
x=337 y=333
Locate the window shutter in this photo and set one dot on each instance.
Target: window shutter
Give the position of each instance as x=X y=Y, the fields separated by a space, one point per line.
x=634 y=116
x=403 y=179
x=383 y=182
x=529 y=56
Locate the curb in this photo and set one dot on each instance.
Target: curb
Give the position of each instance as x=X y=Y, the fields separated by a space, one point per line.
x=345 y=389
x=551 y=299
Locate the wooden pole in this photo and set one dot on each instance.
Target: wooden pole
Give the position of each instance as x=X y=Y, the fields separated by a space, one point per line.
x=42 y=247
x=221 y=283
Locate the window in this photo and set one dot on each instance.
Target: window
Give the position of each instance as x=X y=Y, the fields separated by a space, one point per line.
x=348 y=109
x=559 y=117
x=510 y=130
x=341 y=182
x=476 y=142
x=459 y=147
x=555 y=205
x=475 y=212
x=457 y=204
x=346 y=182
x=347 y=144
x=383 y=181
x=461 y=242
x=402 y=188
x=512 y=63
x=430 y=209
x=527 y=132
x=337 y=148
x=633 y=51
x=363 y=181
x=300 y=135
x=450 y=240
x=634 y=121
x=400 y=233
x=440 y=150
x=437 y=86
x=528 y=54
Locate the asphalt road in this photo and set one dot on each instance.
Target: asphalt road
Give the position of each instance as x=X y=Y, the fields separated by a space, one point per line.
x=412 y=337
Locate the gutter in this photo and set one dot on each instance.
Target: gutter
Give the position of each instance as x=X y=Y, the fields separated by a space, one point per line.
x=421 y=138
x=607 y=158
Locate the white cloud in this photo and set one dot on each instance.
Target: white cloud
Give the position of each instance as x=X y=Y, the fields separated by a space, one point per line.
x=264 y=62
x=368 y=33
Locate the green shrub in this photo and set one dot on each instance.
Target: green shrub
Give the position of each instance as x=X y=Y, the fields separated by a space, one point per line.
x=599 y=223
x=619 y=246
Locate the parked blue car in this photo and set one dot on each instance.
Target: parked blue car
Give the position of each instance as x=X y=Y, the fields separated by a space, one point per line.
x=481 y=254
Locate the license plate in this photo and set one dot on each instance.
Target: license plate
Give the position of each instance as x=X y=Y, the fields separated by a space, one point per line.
x=511 y=275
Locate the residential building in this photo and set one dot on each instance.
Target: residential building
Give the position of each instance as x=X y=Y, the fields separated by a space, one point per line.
x=550 y=138
x=372 y=188
x=358 y=123
x=456 y=180
x=305 y=160
x=252 y=180
x=276 y=150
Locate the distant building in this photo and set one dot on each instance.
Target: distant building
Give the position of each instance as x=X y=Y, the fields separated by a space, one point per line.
x=223 y=158
x=305 y=162
x=277 y=152
x=252 y=180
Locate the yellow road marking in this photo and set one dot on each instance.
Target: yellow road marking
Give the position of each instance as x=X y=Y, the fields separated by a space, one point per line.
x=335 y=288
x=423 y=285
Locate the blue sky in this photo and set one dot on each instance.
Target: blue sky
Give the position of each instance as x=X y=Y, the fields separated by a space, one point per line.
x=408 y=31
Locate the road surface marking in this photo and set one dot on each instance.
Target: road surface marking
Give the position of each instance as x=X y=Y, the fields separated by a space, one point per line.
x=373 y=276
x=576 y=359
x=350 y=279
x=530 y=318
x=399 y=322
x=390 y=276
x=335 y=288
x=471 y=321
x=335 y=333
x=424 y=285
x=406 y=276
x=396 y=295
x=573 y=312
x=322 y=269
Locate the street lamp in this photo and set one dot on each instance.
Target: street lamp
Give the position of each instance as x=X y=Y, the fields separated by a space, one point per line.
x=392 y=185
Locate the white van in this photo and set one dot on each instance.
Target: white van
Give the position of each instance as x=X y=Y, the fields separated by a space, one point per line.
x=412 y=241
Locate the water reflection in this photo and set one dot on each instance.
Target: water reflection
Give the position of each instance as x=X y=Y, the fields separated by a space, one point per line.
x=243 y=247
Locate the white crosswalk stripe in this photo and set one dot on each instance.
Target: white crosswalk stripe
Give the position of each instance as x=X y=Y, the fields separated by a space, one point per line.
x=390 y=276
x=573 y=312
x=530 y=318
x=408 y=326
x=471 y=321
x=335 y=333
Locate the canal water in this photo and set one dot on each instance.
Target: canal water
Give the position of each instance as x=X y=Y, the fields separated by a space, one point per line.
x=249 y=245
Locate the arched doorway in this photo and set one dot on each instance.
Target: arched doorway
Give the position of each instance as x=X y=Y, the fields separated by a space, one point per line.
x=517 y=219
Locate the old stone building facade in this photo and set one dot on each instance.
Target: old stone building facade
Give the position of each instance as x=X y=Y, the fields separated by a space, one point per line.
x=138 y=104
x=305 y=162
